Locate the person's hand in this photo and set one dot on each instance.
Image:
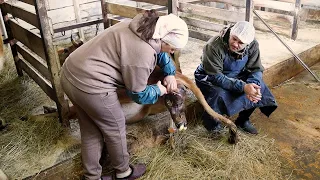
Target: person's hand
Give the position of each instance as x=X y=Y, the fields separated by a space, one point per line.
x=170 y=82
x=252 y=92
x=163 y=89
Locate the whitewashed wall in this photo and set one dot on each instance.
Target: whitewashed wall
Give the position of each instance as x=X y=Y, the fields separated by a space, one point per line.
x=62 y=13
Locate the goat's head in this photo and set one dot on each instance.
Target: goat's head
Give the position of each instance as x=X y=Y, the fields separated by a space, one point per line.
x=175 y=104
x=65 y=52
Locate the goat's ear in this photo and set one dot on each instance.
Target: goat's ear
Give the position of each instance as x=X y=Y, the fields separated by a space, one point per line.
x=60 y=51
x=76 y=44
x=80 y=43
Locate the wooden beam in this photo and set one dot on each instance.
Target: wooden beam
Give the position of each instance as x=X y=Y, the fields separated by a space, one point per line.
x=124 y=10
x=238 y=3
x=203 y=24
x=249 y=11
x=296 y=20
x=78 y=18
x=31 y=2
x=175 y=7
x=77 y=25
x=104 y=11
x=114 y=21
x=199 y=35
x=42 y=82
x=31 y=40
x=212 y=12
x=156 y=2
x=52 y=61
x=36 y=62
x=271 y=16
x=18 y=12
x=284 y=6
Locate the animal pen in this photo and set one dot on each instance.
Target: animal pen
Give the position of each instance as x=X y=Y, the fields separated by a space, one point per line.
x=35 y=53
x=36 y=29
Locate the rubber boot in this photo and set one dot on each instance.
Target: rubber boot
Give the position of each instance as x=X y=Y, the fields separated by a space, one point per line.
x=243 y=122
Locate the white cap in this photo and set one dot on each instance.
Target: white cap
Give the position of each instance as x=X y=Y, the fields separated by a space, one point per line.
x=244 y=31
x=172 y=30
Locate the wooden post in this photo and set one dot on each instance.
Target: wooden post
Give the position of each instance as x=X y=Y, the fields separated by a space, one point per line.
x=296 y=20
x=12 y=42
x=173 y=6
x=249 y=11
x=52 y=60
x=106 y=23
x=78 y=18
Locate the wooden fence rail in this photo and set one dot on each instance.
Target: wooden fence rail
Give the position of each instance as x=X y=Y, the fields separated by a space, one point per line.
x=34 y=53
x=286 y=10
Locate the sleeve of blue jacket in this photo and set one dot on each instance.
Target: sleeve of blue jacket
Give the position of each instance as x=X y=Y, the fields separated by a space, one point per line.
x=227 y=83
x=255 y=77
x=165 y=63
x=149 y=95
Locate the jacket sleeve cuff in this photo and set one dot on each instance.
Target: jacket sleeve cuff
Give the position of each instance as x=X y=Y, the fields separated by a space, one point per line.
x=149 y=95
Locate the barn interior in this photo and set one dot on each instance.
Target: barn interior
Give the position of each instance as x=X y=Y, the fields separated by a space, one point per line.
x=36 y=145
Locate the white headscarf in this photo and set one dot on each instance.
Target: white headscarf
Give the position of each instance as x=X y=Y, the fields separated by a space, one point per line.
x=172 y=30
x=244 y=31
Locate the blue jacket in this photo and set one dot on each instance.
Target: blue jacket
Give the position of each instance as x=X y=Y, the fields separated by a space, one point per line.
x=151 y=93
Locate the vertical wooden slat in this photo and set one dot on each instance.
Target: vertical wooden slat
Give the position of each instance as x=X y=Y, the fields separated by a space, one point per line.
x=104 y=9
x=169 y=6
x=11 y=40
x=52 y=60
x=175 y=5
x=31 y=2
x=78 y=18
x=249 y=11
x=296 y=20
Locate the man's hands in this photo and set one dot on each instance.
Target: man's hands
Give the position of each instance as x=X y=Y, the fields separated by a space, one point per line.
x=253 y=92
x=169 y=85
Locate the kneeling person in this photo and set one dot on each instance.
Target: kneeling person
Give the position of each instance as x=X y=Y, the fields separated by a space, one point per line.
x=230 y=77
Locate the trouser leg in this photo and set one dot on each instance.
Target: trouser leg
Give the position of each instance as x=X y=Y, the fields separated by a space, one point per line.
x=105 y=112
x=91 y=145
x=245 y=115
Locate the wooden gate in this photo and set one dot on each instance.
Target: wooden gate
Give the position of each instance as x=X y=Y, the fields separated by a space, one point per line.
x=33 y=50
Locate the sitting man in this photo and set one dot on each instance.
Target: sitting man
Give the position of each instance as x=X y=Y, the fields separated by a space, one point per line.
x=230 y=77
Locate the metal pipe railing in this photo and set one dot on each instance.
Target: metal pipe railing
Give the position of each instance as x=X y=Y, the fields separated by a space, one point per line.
x=294 y=54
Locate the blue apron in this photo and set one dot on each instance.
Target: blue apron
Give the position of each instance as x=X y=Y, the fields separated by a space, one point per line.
x=226 y=102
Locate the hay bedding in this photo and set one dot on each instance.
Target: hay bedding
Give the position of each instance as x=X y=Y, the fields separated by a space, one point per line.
x=27 y=147
x=202 y=155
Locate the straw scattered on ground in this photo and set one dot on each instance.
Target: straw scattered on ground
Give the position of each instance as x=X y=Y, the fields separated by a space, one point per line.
x=27 y=146
x=199 y=155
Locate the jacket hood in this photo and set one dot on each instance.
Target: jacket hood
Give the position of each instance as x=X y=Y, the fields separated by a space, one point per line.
x=134 y=25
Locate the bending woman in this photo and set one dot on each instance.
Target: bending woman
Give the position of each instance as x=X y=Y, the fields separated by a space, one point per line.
x=122 y=56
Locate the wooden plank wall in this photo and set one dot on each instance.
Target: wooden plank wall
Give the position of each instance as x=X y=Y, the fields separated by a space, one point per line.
x=207 y=17
x=282 y=16
x=30 y=37
x=62 y=13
